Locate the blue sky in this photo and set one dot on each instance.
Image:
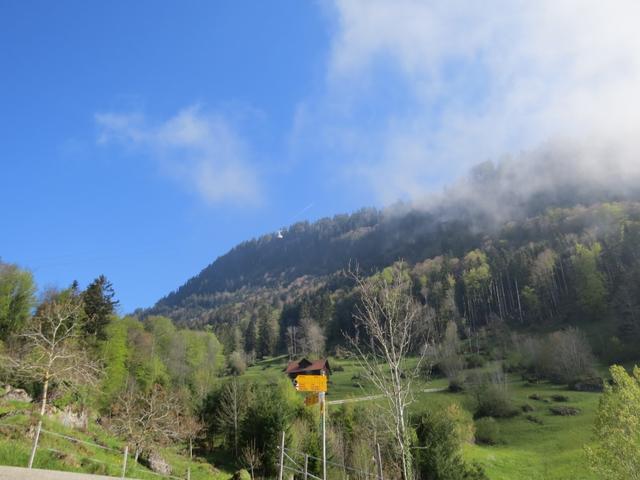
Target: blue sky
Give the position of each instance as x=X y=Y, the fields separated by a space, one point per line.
x=143 y=139
x=75 y=208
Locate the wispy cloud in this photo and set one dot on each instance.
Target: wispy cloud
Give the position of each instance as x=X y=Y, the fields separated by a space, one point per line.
x=415 y=88
x=201 y=151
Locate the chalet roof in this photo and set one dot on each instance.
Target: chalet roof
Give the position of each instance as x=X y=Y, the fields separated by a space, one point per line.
x=305 y=366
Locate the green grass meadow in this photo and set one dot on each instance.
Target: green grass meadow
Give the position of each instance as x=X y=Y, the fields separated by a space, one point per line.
x=550 y=448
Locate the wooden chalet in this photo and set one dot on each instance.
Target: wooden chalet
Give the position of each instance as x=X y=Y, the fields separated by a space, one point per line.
x=307 y=367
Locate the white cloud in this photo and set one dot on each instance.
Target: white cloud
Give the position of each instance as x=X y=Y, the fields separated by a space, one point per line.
x=202 y=152
x=415 y=88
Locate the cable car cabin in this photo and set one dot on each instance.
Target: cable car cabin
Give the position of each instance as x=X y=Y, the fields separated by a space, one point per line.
x=306 y=367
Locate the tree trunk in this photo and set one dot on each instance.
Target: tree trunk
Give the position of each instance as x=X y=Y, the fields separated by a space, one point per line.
x=43 y=406
x=45 y=392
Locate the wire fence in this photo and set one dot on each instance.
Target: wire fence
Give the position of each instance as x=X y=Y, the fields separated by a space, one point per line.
x=297 y=462
x=120 y=467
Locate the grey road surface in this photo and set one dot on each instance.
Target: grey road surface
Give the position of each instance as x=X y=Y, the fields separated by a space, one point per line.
x=17 y=473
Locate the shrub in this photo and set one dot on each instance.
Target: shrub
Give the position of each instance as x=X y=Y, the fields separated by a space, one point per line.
x=487 y=431
x=456 y=385
x=559 y=398
x=533 y=419
x=492 y=400
x=535 y=396
x=564 y=411
x=462 y=421
x=236 y=363
x=527 y=408
x=531 y=378
x=241 y=475
x=560 y=357
x=587 y=384
x=439 y=455
x=475 y=361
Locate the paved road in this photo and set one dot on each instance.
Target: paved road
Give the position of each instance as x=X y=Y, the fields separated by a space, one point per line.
x=17 y=473
x=375 y=397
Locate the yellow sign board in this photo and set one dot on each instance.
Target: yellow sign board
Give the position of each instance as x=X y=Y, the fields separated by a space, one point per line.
x=311 y=383
x=311 y=399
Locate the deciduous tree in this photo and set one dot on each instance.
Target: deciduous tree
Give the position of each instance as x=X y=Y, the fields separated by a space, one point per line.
x=616 y=452
x=17 y=298
x=389 y=319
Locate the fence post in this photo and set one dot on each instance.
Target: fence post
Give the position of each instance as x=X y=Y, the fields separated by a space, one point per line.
x=190 y=458
x=379 y=462
x=281 y=457
x=35 y=443
x=306 y=466
x=124 y=461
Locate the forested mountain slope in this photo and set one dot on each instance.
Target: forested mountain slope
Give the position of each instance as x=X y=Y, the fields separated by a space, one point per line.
x=490 y=247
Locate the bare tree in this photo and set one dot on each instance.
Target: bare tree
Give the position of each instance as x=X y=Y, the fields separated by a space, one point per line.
x=569 y=355
x=448 y=352
x=292 y=335
x=394 y=326
x=252 y=457
x=145 y=418
x=51 y=350
x=313 y=339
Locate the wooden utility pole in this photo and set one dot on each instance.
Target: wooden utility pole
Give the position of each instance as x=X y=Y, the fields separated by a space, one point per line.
x=323 y=406
x=281 y=457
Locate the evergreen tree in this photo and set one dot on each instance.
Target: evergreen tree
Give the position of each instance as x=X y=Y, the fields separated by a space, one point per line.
x=266 y=339
x=99 y=305
x=250 y=339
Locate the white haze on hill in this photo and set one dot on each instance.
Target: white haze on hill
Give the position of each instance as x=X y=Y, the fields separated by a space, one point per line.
x=469 y=81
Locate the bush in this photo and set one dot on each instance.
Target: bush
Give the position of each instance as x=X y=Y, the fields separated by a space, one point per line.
x=487 y=431
x=531 y=378
x=241 y=475
x=587 y=384
x=236 y=363
x=564 y=411
x=475 y=361
x=527 y=408
x=559 y=398
x=462 y=421
x=535 y=396
x=492 y=400
x=439 y=456
x=560 y=357
x=533 y=419
x=456 y=385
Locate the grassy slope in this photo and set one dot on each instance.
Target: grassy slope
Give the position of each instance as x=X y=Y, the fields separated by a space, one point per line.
x=15 y=449
x=551 y=451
